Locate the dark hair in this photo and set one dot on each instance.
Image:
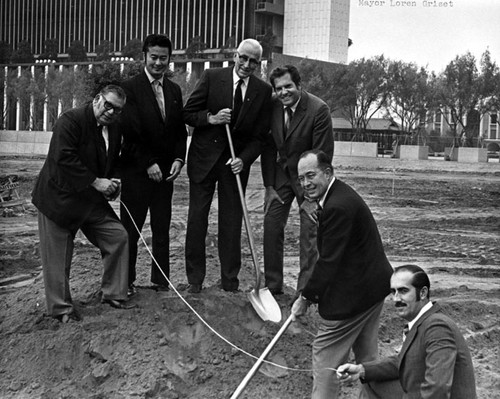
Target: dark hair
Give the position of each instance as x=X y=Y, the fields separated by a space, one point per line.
x=117 y=90
x=157 y=40
x=324 y=161
x=281 y=71
x=419 y=280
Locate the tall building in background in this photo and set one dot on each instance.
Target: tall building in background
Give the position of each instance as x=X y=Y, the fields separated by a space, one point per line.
x=315 y=29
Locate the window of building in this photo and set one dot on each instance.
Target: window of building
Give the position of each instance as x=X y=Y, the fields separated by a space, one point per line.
x=493 y=126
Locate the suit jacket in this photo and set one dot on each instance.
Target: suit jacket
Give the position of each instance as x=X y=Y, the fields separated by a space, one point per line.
x=214 y=92
x=434 y=361
x=76 y=157
x=352 y=273
x=147 y=138
x=310 y=128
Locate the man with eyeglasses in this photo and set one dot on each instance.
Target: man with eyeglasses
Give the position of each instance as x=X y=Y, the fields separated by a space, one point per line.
x=154 y=150
x=223 y=96
x=350 y=280
x=76 y=182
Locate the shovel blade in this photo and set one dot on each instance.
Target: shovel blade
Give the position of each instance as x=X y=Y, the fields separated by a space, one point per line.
x=265 y=305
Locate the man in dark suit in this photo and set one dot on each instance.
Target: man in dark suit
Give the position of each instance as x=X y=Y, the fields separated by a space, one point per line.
x=434 y=361
x=223 y=96
x=154 y=150
x=300 y=121
x=350 y=279
x=72 y=192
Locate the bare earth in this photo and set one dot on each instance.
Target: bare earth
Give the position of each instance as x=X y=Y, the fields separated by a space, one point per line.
x=443 y=216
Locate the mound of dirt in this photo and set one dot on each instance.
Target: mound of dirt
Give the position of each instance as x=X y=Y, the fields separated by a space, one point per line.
x=180 y=345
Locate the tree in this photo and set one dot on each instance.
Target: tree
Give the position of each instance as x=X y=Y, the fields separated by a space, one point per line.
x=23 y=54
x=196 y=47
x=363 y=89
x=458 y=93
x=489 y=86
x=321 y=79
x=409 y=94
x=5 y=52
x=77 y=51
x=133 y=49
x=50 y=50
x=267 y=42
x=103 y=51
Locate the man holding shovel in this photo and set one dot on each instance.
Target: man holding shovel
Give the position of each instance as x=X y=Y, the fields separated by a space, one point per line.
x=223 y=96
x=350 y=279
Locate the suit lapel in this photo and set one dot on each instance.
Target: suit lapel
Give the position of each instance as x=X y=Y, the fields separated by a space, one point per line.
x=150 y=95
x=298 y=115
x=277 y=129
x=250 y=95
x=413 y=332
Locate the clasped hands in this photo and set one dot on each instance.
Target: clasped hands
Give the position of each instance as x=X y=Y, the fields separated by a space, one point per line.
x=110 y=188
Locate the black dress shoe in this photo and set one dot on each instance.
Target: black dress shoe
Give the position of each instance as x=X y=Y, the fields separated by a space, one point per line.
x=194 y=288
x=117 y=304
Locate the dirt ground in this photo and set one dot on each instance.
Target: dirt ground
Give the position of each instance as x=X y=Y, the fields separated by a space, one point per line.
x=443 y=216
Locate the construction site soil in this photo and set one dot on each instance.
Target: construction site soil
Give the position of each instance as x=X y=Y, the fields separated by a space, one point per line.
x=443 y=216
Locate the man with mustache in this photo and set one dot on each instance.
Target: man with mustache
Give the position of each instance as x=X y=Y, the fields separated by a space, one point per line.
x=154 y=150
x=350 y=280
x=434 y=361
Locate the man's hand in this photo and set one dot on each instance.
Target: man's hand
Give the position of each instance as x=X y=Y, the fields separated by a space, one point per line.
x=222 y=117
x=236 y=165
x=174 y=171
x=350 y=372
x=299 y=307
x=154 y=173
x=115 y=195
x=270 y=196
x=107 y=187
x=310 y=208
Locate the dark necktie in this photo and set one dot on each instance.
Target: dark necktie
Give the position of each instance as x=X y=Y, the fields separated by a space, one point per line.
x=237 y=102
x=288 y=120
x=319 y=210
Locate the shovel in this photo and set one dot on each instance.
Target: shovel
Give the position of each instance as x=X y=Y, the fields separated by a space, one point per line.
x=259 y=361
x=261 y=298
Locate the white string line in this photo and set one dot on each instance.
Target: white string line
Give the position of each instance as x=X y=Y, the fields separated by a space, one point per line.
x=195 y=312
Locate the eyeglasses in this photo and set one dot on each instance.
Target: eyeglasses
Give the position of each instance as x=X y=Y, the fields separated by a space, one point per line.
x=245 y=58
x=108 y=106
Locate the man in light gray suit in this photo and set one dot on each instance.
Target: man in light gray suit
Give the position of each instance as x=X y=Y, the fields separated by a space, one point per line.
x=300 y=121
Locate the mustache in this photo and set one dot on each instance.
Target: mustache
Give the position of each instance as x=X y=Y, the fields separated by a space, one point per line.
x=400 y=304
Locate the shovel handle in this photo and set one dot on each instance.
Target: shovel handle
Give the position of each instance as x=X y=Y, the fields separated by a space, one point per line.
x=259 y=361
x=248 y=226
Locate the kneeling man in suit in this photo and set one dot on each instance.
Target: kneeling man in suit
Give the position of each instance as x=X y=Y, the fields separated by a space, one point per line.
x=434 y=361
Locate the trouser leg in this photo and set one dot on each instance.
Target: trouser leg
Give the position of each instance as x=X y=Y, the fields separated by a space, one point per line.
x=56 y=252
x=230 y=223
x=104 y=230
x=133 y=211
x=200 y=199
x=333 y=343
x=274 y=234
x=308 y=249
x=160 y=215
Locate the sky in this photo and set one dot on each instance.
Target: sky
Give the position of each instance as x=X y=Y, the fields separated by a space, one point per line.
x=426 y=34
